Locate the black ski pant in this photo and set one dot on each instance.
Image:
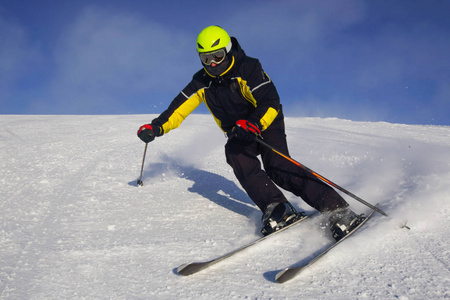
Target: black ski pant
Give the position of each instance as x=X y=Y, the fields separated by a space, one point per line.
x=261 y=186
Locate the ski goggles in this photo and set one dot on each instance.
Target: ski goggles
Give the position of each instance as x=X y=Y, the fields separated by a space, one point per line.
x=213 y=57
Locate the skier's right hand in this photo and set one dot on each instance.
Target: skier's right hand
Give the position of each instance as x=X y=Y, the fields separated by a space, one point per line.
x=146 y=133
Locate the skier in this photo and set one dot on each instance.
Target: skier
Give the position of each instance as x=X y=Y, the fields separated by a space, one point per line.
x=245 y=104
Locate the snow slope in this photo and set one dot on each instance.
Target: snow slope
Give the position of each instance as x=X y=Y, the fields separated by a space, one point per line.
x=75 y=225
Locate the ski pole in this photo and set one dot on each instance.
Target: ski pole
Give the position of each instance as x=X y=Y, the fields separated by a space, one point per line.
x=321 y=177
x=139 y=182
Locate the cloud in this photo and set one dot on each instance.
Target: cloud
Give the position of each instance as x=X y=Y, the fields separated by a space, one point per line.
x=356 y=53
x=354 y=58
x=293 y=29
x=17 y=55
x=107 y=59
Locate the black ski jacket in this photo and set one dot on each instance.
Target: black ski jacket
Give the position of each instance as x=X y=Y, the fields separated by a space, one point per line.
x=243 y=92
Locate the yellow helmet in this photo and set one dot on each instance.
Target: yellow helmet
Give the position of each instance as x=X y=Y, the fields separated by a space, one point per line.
x=213 y=38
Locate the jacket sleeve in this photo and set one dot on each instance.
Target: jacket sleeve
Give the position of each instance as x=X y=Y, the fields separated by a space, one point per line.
x=265 y=95
x=181 y=106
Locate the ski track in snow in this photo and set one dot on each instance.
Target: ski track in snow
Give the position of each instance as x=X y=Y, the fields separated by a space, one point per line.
x=74 y=224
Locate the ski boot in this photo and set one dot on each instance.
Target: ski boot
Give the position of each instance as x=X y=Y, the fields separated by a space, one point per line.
x=277 y=216
x=342 y=221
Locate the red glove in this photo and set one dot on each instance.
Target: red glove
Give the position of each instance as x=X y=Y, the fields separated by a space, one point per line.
x=146 y=133
x=245 y=130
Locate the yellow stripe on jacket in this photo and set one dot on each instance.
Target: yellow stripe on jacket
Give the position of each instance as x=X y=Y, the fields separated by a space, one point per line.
x=188 y=106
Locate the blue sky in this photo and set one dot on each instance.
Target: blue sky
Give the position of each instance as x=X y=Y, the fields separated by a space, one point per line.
x=358 y=60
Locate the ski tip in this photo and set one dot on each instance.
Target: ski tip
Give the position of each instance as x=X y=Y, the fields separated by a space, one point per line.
x=192 y=268
x=285 y=275
x=279 y=276
x=183 y=270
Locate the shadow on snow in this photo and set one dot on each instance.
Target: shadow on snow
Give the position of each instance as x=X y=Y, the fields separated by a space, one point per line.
x=211 y=186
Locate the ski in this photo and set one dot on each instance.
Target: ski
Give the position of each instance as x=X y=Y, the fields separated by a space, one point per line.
x=289 y=273
x=194 y=267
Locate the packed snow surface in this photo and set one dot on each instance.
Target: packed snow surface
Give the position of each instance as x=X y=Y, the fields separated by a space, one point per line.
x=75 y=225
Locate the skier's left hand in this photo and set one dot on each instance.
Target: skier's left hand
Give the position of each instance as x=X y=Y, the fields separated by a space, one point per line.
x=246 y=130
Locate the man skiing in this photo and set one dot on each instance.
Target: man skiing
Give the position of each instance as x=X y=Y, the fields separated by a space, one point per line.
x=245 y=104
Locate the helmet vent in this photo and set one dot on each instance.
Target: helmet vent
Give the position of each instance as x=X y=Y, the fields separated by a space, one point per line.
x=200 y=46
x=215 y=43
